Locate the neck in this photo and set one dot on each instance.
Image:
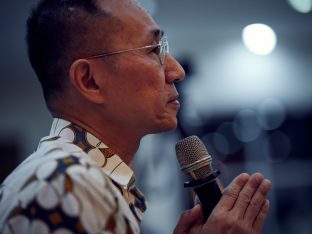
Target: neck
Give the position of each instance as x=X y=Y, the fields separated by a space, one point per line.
x=122 y=141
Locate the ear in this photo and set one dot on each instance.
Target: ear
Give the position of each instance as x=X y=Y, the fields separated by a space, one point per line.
x=82 y=77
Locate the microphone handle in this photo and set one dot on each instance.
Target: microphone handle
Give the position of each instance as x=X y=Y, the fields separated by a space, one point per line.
x=209 y=195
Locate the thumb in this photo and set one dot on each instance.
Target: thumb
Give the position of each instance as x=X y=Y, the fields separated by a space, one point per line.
x=187 y=218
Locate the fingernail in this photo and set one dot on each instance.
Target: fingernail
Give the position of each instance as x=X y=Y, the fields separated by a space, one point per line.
x=244 y=176
x=257 y=177
x=267 y=182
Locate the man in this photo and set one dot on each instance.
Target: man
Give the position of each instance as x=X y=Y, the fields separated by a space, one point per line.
x=108 y=80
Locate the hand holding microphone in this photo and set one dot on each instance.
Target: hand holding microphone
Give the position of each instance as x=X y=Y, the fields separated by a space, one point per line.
x=242 y=208
x=197 y=164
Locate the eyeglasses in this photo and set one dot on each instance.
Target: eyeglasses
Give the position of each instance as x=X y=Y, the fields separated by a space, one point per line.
x=163 y=49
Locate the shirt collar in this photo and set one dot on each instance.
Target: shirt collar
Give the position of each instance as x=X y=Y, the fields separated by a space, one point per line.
x=101 y=154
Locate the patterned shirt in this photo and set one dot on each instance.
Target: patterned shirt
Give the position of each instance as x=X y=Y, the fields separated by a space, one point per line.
x=73 y=183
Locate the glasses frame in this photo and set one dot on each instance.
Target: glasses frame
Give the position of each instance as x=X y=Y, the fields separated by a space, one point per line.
x=163 y=49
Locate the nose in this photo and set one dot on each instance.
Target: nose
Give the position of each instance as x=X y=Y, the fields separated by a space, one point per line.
x=173 y=70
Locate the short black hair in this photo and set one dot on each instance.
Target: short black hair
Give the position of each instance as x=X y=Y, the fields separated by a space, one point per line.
x=58 y=33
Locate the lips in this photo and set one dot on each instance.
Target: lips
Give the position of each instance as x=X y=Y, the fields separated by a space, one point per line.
x=173 y=98
x=174 y=102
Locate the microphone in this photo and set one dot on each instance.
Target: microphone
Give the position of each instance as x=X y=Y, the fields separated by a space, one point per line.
x=195 y=161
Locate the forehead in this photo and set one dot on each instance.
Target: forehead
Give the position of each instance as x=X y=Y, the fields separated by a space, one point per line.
x=136 y=21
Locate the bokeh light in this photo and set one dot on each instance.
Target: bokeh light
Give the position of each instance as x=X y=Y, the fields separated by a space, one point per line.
x=259 y=38
x=221 y=143
x=271 y=114
x=246 y=127
x=302 y=6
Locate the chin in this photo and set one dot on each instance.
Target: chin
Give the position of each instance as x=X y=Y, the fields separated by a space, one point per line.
x=168 y=126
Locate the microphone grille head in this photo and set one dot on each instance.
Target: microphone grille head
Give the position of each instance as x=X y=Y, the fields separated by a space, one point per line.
x=189 y=150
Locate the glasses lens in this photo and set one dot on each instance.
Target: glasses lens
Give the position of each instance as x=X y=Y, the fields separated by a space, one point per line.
x=164 y=48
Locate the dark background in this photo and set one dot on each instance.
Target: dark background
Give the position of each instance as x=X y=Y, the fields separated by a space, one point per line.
x=253 y=112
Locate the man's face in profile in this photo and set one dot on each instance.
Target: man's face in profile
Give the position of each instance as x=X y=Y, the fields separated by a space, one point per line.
x=139 y=90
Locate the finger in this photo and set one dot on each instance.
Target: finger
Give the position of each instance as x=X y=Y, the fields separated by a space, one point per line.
x=232 y=191
x=197 y=202
x=246 y=194
x=257 y=201
x=257 y=226
x=187 y=219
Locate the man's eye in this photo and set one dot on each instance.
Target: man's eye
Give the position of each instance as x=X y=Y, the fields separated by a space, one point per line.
x=156 y=50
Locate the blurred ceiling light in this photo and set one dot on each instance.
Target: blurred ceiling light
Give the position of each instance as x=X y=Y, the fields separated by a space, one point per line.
x=259 y=38
x=302 y=6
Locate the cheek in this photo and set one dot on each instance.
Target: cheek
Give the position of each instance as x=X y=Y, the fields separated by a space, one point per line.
x=148 y=85
x=135 y=96
x=154 y=93
x=140 y=83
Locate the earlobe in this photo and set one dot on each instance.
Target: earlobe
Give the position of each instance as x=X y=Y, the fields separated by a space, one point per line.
x=82 y=77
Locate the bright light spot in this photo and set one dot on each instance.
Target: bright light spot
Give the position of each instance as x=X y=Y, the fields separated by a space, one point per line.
x=302 y=6
x=259 y=38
